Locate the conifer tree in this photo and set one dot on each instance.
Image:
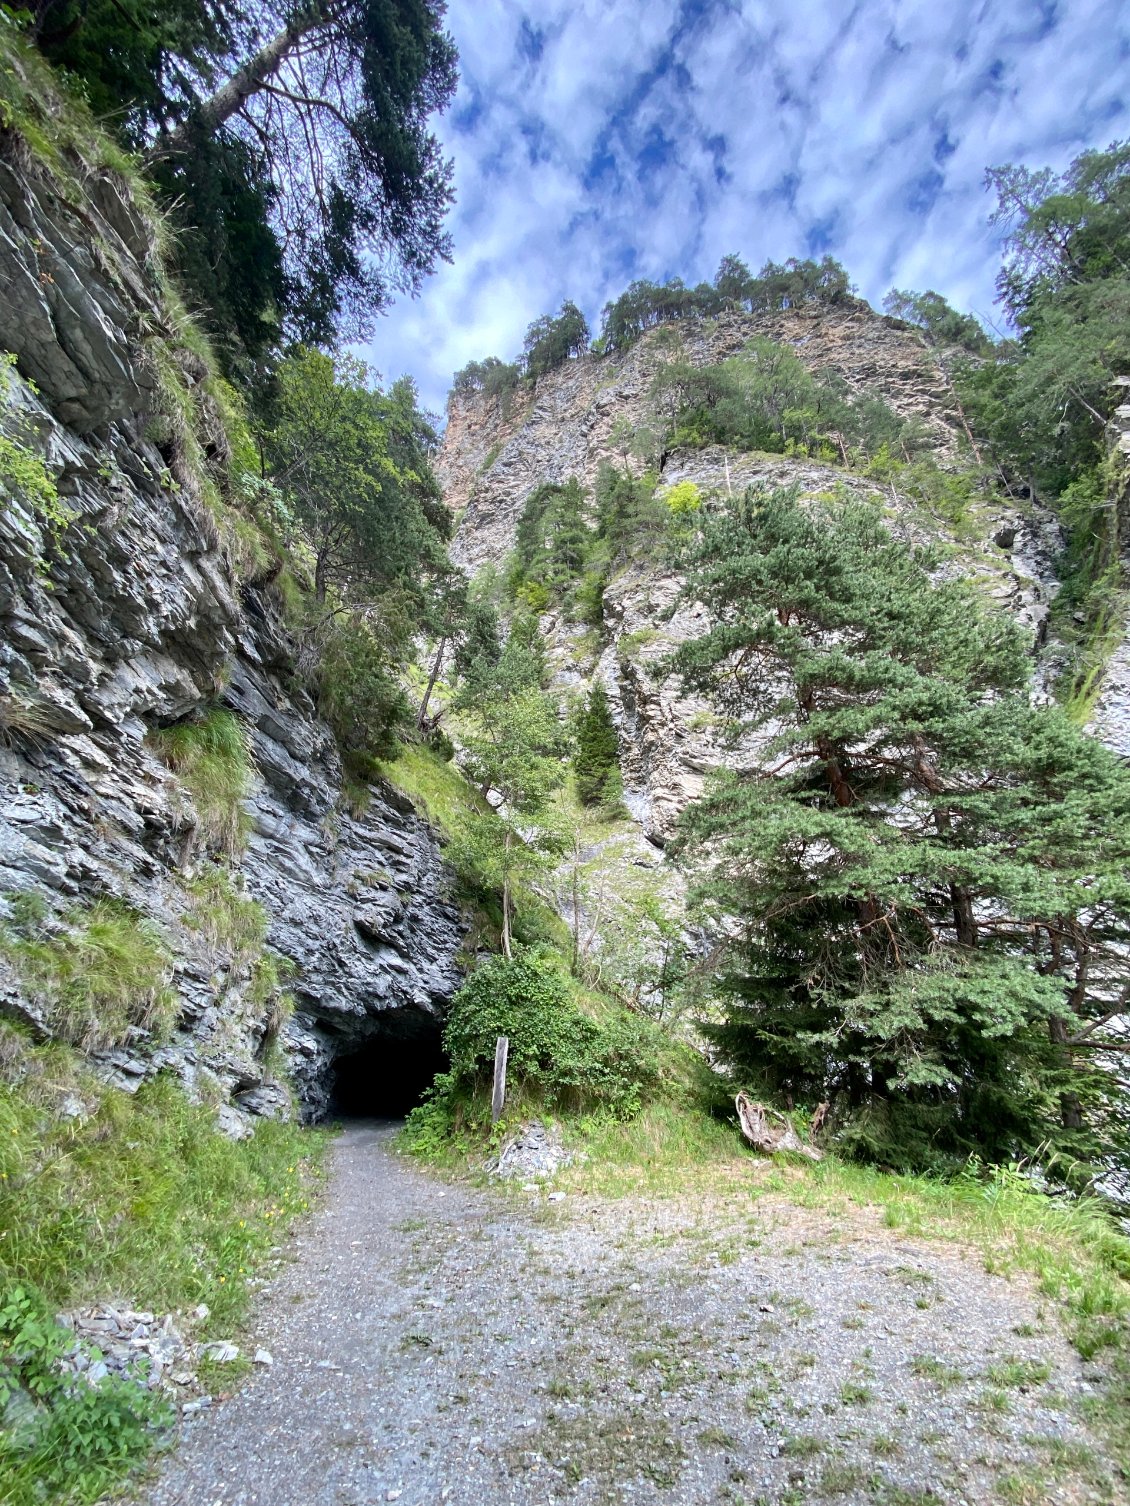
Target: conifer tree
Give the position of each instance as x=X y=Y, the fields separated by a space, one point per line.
x=597 y=747
x=511 y=739
x=926 y=874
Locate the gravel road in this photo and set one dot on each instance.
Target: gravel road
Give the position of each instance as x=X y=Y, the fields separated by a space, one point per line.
x=438 y=1343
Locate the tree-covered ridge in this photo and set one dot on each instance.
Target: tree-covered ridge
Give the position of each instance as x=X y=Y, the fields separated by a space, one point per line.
x=552 y=340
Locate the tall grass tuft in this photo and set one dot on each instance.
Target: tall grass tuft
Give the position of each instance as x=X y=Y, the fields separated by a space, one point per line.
x=105 y=974
x=209 y=754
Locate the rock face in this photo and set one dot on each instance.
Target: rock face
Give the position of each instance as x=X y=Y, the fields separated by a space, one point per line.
x=137 y=619
x=492 y=459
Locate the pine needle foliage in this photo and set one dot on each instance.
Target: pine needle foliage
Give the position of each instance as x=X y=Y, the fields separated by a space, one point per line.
x=923 y=879
x=597 y=749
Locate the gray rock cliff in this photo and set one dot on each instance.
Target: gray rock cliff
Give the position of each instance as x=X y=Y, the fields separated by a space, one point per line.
x=132 y=617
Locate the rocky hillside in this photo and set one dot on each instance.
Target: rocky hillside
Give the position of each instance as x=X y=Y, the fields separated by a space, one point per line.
x=495 y=453
x=128 y=607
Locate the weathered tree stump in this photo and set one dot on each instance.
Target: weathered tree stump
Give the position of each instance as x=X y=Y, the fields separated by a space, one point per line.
x=770 y=1132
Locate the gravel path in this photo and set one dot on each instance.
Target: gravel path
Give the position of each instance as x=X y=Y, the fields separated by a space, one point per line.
x=439 y=1343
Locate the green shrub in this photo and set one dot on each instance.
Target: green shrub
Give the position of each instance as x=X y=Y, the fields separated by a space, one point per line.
x=105 y=973
x=358 y=690
x=556 y=1052
x=80 y=1440
x=209 y=755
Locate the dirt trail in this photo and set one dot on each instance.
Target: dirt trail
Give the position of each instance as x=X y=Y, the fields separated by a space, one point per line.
x=436 y=1343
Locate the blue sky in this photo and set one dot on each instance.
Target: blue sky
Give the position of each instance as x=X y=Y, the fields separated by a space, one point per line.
x=597 y=142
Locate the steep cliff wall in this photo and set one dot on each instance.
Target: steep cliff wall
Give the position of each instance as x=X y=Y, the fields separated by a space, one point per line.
x=494 y=456
x=132 y=617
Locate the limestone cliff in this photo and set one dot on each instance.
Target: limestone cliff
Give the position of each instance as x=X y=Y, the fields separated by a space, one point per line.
x=130 y=615
x=494 y=455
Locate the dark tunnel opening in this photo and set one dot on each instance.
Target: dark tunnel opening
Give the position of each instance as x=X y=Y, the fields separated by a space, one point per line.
x=385 y=1075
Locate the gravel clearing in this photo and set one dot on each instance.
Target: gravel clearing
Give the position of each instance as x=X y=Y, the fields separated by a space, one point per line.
x=438 y=1343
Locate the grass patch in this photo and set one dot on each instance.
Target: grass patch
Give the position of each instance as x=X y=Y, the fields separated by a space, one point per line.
x=927 y=1367
x=1018 y=1375
x=652 y=1154
x=136 y=1199
x=435 y=787
x=141 y=1198
x=227 y=920
x=210 y=756
x=105 y=974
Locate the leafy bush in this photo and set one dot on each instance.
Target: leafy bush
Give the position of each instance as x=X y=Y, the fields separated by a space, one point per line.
x=104 y=974
x=79 y=1440
x=560 y=1054
x=210 y=756
x=358 y=690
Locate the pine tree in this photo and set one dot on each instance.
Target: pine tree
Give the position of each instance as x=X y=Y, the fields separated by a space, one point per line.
x=925 y=874
x=596 y=755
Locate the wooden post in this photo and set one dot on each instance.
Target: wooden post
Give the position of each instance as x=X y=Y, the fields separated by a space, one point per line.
x=498 y=1098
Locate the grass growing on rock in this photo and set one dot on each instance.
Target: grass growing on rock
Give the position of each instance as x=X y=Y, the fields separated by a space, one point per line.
x=106 y=972
x=210 y=757
x=140 y=1197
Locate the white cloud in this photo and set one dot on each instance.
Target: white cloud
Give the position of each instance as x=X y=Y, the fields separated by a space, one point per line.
x=850 y=106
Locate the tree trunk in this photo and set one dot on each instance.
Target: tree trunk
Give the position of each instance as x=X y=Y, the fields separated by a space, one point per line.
x=1070 y=1107
x=506 y=950
x=320 y=580
x=965 y=924
x=841 y=790
x=432 y=678
x=234 y=94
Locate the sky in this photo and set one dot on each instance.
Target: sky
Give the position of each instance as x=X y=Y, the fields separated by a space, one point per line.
x=599 y=142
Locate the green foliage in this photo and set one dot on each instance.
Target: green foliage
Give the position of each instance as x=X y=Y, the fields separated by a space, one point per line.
x=209 y=754
x=630 y=519
x=779 y=286
x=359 y=692
x=596 y=749
x=682 y=499
x=82 y=1439
x=556 y=1052
x=1041 y=405
x=511 y=738
x=495 y=378
x=297 y=209
x=915 y=885
x=553 y=544
x=550 y=342
x=102 y=975
x=767 y=399
x=354 y=463
x=938 y=320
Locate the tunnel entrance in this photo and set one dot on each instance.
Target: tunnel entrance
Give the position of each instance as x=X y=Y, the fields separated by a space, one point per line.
x=383 y=1075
